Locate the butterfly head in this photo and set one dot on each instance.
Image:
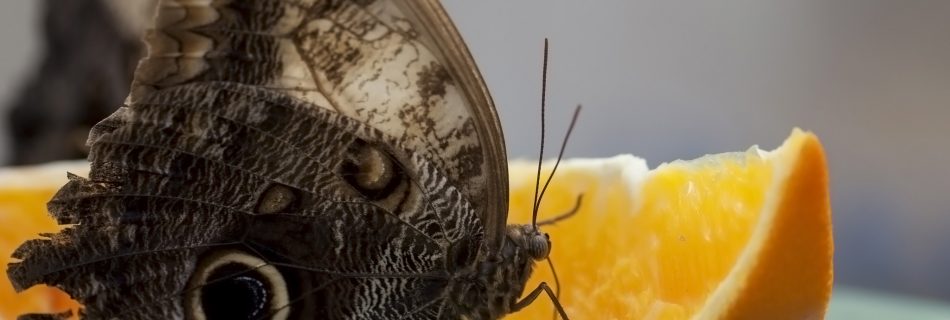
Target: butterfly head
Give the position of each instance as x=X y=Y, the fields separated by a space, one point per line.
x=535 y=243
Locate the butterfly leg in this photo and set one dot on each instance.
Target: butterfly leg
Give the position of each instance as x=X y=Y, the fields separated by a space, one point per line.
x=572 y=212
x=543 y=287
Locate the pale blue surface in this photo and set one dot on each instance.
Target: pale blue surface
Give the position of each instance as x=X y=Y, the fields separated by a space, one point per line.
x=851 y=303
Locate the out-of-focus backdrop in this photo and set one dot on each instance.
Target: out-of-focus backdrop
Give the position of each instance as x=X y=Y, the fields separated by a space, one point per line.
x=671 y=79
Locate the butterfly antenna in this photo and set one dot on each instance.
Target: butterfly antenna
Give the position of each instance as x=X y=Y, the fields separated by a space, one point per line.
x=567 y=136
x=544 y=91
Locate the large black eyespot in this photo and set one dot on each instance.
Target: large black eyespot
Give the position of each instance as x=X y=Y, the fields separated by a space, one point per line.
x=231 y=284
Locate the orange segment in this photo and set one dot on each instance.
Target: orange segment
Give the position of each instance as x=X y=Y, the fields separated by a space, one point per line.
x=735 y=235
x=23 y=196
x=804 y=244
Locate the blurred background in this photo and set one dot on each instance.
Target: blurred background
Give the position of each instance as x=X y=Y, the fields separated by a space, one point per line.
x=660 y=79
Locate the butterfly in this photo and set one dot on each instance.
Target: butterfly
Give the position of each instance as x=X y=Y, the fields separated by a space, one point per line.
x=294 y=159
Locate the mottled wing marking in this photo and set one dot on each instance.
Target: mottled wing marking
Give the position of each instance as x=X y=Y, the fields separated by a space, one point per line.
x=335 y=54
x=437 y=32
x=181 y=176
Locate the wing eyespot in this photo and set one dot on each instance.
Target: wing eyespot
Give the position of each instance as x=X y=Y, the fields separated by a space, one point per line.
x=278 y=198
x=371 y=171
x=378 y=175
x=231 y=284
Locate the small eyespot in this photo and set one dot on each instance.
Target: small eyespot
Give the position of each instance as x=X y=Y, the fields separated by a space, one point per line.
x=277 y=198
x=378 y=174
x=373 y=172
x=231 y=284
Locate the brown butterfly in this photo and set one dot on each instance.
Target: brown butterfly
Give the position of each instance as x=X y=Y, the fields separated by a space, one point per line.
x=294 y=159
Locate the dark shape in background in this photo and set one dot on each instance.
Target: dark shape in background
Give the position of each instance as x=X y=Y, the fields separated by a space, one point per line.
x=83 y=76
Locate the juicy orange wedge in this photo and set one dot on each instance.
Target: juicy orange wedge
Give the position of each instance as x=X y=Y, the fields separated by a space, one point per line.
x=743 y=235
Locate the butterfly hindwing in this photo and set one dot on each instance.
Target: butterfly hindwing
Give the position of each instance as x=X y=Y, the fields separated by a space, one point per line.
x=164 y=196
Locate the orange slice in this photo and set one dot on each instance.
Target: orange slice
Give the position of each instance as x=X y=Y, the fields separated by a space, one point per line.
x=743 y=235
x=23 y=196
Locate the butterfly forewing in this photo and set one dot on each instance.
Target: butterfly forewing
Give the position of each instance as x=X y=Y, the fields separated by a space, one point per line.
x=397 y=66
x=440 y=35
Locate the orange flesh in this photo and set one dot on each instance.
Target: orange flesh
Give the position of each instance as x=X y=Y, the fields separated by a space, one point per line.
x=662 y=252
x=22 y=217
x=667 y=256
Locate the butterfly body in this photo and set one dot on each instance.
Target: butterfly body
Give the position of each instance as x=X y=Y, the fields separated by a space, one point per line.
x=293 y=159
x=495 y=287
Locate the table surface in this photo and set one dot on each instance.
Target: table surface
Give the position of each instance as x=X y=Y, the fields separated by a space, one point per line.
x=855 y=303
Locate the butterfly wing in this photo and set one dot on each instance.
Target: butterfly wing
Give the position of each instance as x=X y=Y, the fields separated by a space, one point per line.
x=256 y=151
x=339 y=55
x=440 y=33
